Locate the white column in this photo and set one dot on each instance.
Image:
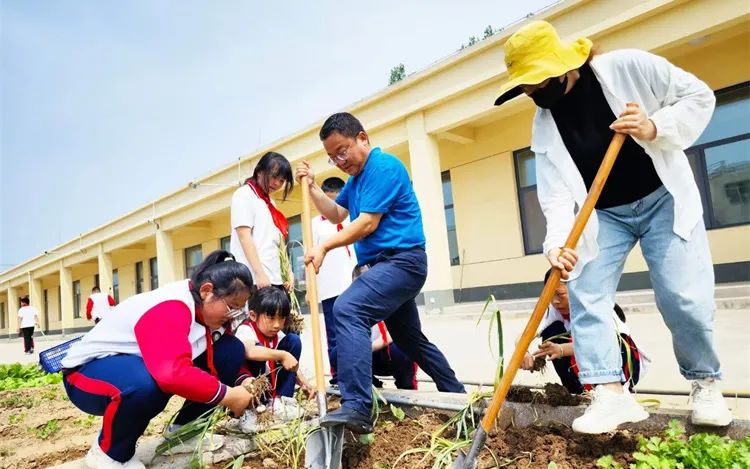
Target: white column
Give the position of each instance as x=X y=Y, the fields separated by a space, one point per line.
x=425 y=172
x=35 y=298
x=105 y=270
x=13 y=307
x=165 y=257
x=66 y=298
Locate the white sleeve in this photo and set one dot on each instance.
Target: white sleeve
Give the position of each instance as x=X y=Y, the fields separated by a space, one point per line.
x=688 y=103
x=246 y=334
x=316 y=230
x=243 y=209
x=550 y=316
x=556 y=201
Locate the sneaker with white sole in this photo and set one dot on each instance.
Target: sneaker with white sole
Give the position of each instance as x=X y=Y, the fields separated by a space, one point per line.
x=607 y=411
x=709 y=406
x=286 y=409
x=98 y=459
x=248 y=422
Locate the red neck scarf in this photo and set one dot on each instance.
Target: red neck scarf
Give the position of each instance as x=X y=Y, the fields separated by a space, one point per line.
x=278 y=218
x=339 y=227
x=209 y=341
x=272 y=344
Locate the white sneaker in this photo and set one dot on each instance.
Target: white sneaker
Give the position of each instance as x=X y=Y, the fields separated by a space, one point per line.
x=286 y=409
x=98 y=459
x=248 y=422
x=607 y=411
x=709 y=406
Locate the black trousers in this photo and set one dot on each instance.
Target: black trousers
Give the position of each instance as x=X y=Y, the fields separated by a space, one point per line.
x=28 y=341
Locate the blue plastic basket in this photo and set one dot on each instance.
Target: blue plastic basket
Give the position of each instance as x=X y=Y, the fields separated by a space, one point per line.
x=50 y=359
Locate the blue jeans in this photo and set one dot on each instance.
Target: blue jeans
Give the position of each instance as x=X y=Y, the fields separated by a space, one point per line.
x=390 y=362
x=285 y=380
x=682 y=277
x=386 y=292
x=121 y=389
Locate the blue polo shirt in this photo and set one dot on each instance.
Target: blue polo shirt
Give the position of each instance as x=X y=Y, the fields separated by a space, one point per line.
x=383 y=186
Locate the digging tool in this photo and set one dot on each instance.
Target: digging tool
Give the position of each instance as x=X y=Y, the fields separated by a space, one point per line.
x=324 y=447
x=469 y=461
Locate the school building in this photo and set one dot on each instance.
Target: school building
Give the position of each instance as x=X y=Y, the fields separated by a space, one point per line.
x=470 y=164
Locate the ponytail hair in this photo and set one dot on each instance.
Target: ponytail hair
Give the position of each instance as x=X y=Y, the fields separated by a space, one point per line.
x=228 y=276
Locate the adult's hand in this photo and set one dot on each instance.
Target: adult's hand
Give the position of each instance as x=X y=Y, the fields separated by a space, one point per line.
x=634 y=121
x=304 y=170
x=563 y=259
x=315 y=256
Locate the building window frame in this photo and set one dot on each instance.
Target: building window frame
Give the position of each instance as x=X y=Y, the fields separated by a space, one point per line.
x=138 y=277
x=116 y=285
x=451 y=232
x=188 y=252
x=521 y=191
x=76 y=299
x=153 y=272
x=225 y=243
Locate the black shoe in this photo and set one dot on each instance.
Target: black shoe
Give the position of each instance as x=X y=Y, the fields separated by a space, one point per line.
x=377 y=383
x=333 y=381
x=353 y=420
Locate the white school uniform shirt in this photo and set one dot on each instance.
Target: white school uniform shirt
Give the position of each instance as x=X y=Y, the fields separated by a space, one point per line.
x=335 y=274
x=101 y=305
x=249 y=210
x=679 y=104
x=27 y=315
x=247 y=333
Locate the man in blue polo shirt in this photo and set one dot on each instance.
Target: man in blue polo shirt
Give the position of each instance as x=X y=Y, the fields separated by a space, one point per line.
x=386 y=229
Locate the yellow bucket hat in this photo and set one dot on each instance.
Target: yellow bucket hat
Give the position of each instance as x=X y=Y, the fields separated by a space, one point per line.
x=535 y=53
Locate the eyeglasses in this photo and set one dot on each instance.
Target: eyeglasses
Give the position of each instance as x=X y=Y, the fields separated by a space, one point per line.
x=339 y=157
x=233 y=313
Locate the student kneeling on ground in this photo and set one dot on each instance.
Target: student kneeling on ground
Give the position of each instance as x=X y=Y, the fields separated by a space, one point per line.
x=157 y=344
x=557 y=344
x=272 y=353
x=387 y=360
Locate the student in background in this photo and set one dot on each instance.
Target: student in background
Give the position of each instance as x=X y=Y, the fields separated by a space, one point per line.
x=98 y=305
x=335 y=274
x=28 y=317
x=257 y=225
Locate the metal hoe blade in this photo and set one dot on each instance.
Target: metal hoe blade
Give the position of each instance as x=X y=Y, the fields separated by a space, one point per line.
x=324 y=448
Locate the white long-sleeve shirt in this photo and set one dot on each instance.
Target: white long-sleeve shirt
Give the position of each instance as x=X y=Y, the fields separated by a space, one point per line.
x=680 y=106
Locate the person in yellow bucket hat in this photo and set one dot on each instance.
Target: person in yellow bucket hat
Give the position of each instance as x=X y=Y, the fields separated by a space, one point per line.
x=650 y=197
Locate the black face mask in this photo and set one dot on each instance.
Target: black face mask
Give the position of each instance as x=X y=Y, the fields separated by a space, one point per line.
x=546 y=97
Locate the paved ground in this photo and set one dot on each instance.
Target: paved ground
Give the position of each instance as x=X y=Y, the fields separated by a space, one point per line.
x=466 y=345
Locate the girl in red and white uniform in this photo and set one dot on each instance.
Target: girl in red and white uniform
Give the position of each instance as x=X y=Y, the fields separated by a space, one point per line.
x=271 y=352
x=98 y=305
x=257 y=225
x=160 y=343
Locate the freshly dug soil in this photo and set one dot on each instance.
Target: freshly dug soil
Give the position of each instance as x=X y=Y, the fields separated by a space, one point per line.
x=554 y=394
x=515 y=448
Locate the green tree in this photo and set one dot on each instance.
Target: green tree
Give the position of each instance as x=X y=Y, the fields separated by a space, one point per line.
x=488 y=31
x=398 y=73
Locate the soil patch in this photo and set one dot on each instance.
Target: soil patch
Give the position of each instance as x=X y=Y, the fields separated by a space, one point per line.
x=553 y=394
x=40 y=427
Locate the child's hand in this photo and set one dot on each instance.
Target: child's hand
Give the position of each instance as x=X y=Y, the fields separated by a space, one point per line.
x=289 y=362
x=551 y=350
x=237 y=399
x=308 y=390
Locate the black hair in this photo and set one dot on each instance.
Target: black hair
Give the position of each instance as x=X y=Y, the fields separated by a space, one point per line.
x=95 y=289
x=25 y=300
x=275 y=165
x=333 y=184
x=228 y=276
x=343 y=123
x=618 y=311
x=271 y=300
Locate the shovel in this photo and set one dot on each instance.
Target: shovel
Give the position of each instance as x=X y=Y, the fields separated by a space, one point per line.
x=323 y=447
x=469 y=461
